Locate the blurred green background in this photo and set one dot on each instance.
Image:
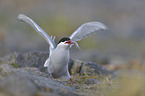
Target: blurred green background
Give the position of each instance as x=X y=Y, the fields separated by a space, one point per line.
x=124 y=18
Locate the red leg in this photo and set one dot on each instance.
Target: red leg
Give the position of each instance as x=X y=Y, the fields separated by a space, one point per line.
x=71 y=81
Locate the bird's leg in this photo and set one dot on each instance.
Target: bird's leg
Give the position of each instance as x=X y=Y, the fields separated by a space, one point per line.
x=69 y=75
x=71 y=81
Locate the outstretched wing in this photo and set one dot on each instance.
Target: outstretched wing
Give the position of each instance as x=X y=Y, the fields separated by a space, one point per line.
x=29 y=21
x=87 y=29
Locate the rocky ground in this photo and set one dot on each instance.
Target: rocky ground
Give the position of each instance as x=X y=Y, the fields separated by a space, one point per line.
x=23 y=74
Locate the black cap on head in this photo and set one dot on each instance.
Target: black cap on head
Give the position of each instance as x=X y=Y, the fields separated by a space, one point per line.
x=64 y=39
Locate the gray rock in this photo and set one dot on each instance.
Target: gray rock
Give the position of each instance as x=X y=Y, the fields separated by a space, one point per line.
x=93 y=81
x=27 y=82
x=31 y=59
x=23 y=74
x=6 y=70
x=9 y=59
x=13 y=83
x=37 y=59
x=100 y=70
x=18 y=85
x=80 y=67
x=76 y=67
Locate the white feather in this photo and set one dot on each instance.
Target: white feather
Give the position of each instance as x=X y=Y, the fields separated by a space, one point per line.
x=46 y=63
x=29 y=21
x=82 y=32
x=87 y=29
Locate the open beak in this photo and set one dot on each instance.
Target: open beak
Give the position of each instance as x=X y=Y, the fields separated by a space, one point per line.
x=69 y=42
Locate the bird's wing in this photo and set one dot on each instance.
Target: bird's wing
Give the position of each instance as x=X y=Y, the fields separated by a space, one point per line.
x=87 y=29
x=29 y=21
x=47 y=62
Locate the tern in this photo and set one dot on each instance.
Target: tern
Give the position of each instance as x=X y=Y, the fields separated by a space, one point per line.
x=57 y=62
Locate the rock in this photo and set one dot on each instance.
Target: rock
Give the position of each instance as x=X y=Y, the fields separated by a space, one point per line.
x=76 y=67
x=6 y=70
x=23 y=74
x=96 y=68
x=80 y=67
x=18 y=85
x=37 y=59
x=23 y=84
x=9 y=59
x=31 y=59
x=93 y=81
x=27 y=82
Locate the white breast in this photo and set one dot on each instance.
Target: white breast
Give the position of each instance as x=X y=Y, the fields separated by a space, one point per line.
x=58 y=62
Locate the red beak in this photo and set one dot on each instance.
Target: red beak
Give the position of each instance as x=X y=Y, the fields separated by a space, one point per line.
x=69 y=42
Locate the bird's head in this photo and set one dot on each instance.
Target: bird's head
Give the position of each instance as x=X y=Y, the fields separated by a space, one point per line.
x=65 y=42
